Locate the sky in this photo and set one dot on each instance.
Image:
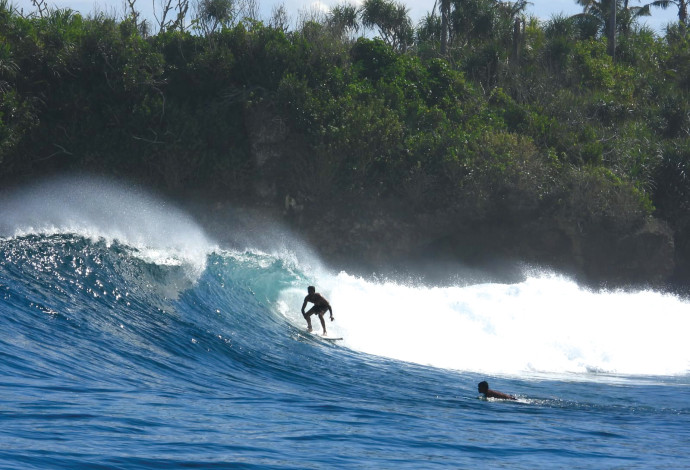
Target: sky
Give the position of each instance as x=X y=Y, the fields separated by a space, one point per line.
x=543 y=9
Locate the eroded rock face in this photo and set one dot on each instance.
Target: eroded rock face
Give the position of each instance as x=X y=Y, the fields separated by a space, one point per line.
x=645 y=256
x=598 y=256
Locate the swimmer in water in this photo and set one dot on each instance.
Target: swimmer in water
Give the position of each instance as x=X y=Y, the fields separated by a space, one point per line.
x=484 y=389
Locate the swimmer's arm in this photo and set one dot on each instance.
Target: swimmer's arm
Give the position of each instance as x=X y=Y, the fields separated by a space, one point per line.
x=503 y=396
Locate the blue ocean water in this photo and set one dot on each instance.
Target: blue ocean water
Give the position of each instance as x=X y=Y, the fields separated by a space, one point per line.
x=129 y=339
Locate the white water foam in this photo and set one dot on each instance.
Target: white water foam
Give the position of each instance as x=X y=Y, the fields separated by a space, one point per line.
x=544 y=325
x=99 y=209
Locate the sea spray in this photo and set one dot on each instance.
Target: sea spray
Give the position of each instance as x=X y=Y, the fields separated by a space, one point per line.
x=99 y=209
x=544 y=325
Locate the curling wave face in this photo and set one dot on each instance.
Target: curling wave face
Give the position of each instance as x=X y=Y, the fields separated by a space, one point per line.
x=96 y=250
x=98 y=209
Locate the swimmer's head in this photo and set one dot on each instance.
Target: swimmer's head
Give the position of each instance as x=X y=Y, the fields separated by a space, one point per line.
x=311 y=289
x=483 y=386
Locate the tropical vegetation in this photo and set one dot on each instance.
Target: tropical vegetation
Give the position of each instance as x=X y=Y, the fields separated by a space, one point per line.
x=492 y=127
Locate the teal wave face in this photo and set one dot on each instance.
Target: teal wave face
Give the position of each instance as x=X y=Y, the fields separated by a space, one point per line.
x=85 y=305
x=100 y=312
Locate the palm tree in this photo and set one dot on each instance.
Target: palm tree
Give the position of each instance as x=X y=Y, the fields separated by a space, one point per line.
x=214 y=14
x=682 y=8
x=624 y=14
x=512 y=12
x=343 y=19
x=444 y=7
x=392 y=21
x=629 y=15
x=613 y=15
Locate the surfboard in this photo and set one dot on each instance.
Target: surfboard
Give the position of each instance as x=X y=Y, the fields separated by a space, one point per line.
x=327 y=338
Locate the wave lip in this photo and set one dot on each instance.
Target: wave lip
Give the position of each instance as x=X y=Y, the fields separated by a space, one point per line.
x=99 y=209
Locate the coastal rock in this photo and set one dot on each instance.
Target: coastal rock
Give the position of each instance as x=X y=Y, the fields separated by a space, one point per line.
x=644 y=257
x=599 y=257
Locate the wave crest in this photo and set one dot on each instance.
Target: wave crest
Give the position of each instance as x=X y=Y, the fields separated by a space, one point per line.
x=99 y=209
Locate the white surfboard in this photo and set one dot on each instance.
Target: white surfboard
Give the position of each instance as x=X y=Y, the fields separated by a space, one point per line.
x=327 y=338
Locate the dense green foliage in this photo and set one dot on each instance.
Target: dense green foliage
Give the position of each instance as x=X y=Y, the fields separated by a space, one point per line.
x=518 y=121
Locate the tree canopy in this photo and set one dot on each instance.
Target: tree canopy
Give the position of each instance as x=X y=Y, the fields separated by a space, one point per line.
x=483 y=117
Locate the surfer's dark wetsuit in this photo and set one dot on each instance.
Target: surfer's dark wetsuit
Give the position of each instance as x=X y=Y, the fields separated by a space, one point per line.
x=320 y=307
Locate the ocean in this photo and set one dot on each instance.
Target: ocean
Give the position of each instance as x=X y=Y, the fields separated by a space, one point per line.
x=130 y=339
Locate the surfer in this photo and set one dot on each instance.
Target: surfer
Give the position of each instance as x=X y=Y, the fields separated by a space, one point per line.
x=488 y=393
x=319 y=308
